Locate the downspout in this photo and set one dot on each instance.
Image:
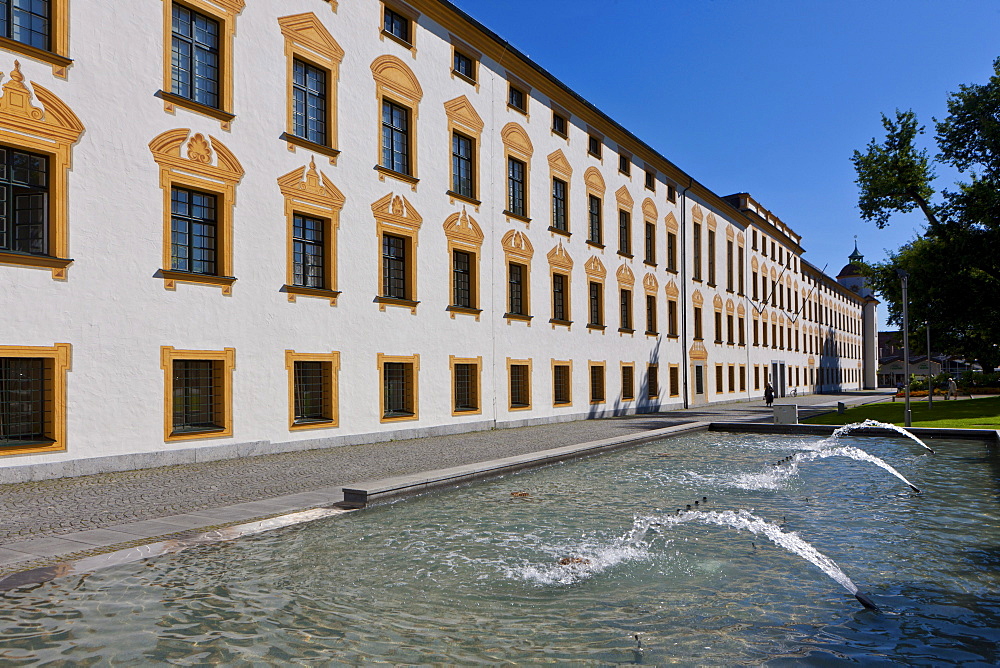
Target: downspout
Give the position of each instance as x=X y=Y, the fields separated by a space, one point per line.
x=682 y=307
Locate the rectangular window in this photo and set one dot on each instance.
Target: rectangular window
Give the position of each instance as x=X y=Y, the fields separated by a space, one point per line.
x=652 y=381
x=711 y=257
x=309 y=102
x=625 y=164
x=461 y=272
x=192 y=231
x=756 y=377
x=671 y=192
x=559 y=124
x=718 y=327
x=559 y=297
x=729 y=266
x=197 y=395
x=594 y=145
x=395 y=137
x=651 y=314
x=741 y=331
x=27 y=22
x=753 y=286
x=698 y=332
x=671 y=251
x=312 y=392
x=628 y=382
x=24 y=198
x=650 y=243
x=699 y=379
x=396 y=25
x=763 y=334
x=307 y=252
x=517 y=98
x=740 y=269
x=596 y=384
x=753 y=239
x=462 y=156
x=25 y=401
x=596 y=305
x=672 y=317
x=732 y=378
x=195 y=67
x=650 y=180
x=730 y=339
x=515 y=187
x=560 y=384
x=675 y=381
x=594 y=212
x=719 y=387
x=696 y=243
x=466 y=388
x=464 y=65
x=625 y=233
x=515 y=289
x=626 y=309
x=520 y=386
x=394 y=283
x=559 y=204
x=398 y=390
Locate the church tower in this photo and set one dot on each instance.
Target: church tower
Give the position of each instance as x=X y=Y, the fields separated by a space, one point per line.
x=852 y=279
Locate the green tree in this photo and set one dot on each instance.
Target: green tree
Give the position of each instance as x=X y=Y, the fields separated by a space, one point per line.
x=954 y=265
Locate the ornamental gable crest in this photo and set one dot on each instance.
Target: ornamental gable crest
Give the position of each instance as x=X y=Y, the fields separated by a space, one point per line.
x=625 y=275
x=592 y=177
x=517 y=244
x=462 y=227
x=624 y=198
x=649 y=209
x=397 y=210
x=558 y=257
x=649 y=282
x=309 y=185
x=461 y=111
x=515 y=138
x=595 y=268
x=559 y=164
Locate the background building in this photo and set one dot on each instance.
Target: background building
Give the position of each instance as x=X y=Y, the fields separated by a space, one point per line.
x=239 y=228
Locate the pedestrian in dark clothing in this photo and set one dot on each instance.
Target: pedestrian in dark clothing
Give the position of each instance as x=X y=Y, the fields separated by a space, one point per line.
x=768 y=394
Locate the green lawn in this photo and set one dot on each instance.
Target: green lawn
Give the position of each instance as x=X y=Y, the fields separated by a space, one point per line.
x=963 y=414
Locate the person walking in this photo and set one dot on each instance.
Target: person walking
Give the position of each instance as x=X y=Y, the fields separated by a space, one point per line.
x=768 y=394
x=952 y=390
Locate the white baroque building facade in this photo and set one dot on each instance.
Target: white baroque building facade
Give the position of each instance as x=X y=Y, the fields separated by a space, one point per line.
x=247 y=227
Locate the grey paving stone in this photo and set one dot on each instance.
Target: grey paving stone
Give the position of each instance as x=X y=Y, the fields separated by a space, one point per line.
x=13 y=557
x=191 y=495
x=100 y=537
x=48 y=547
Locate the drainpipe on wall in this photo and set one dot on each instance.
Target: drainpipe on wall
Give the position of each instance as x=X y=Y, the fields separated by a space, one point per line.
x=682 y=289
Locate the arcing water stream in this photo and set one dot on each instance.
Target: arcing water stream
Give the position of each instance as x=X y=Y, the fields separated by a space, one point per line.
x=875 y=424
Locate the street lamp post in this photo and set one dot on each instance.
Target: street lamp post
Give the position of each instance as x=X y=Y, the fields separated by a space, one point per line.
x=907 y=417
x=930 y=390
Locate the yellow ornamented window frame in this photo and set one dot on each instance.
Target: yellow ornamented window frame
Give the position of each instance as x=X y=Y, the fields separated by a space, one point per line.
x=674 y=380
x=465 y=121
x=197 y=171
x=396 y=216
x=51 y=130
x=308 y=40
x=511 y=362
x=561 y=263
x=460 y=47
x=569 y=382
x=517 y=145
x=595 y=187
x=478 y=362
x=407 y=12
x=226 y=358
x=517 y=249
x=650 y=395
x=58 y=360
x=414 y=362
x=596 y=273
x=464 y=234
x=603 y=366
x=225 y=12
x=395 y=82
x=307 y=191
x=623 y=366
x=559 y=168
x=58 y=54
x=331 y=381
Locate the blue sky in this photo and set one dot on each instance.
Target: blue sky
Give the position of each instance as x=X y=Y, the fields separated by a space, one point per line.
x=764 y=96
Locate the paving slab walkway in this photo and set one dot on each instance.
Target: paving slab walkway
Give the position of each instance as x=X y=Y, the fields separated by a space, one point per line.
x=46 y=520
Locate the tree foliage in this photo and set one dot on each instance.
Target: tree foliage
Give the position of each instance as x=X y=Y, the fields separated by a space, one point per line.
x=954 y=266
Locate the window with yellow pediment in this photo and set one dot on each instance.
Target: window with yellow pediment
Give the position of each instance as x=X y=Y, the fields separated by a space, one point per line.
x=560 y=175
x=518 y=252
x=312 y=212
x=517 y=163
x=198 y=176
x=312 y=64
x=36 y=145
x=465 y=128
x=465 y=243
x=560 y=271
x=397 y=224
x=398 y=93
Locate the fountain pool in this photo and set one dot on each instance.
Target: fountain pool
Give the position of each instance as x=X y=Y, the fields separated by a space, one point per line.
x=473 y=575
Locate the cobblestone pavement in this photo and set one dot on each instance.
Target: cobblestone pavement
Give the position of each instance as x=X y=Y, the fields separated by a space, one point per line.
x=54 y=507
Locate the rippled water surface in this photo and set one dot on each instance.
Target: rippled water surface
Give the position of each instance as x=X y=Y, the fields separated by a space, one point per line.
x=473 y=575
